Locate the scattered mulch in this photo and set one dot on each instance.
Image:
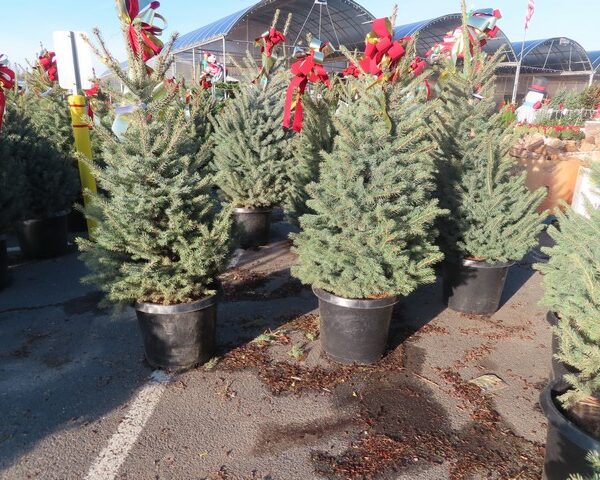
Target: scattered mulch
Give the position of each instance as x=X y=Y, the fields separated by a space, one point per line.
x=241 y=284
x=284 y=377
x=307 y=324
x=247 y=356
x=431 y=328
x=365 y=459
x=407 y=430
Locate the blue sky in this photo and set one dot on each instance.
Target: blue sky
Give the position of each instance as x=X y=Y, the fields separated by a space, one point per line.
x=27 y=22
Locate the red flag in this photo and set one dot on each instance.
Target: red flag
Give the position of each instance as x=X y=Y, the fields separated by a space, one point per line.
x=530 y=12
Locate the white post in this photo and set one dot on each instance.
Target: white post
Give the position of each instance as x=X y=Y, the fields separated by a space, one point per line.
x=194 y=64
x=518 y=73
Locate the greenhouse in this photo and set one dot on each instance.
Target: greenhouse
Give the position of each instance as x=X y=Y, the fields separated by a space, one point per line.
x=344 y=22
x=433 y=30
x=554 y=55
x=340 y=22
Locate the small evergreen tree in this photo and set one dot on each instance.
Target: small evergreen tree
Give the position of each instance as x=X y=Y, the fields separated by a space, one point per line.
x=371 y=231
x=316 y=137
x=594 y=459
x=49 y=110
x=572 y=289
x=161 y=237
x=493 y=215
x=252 y=155
x=12 y=147
x=50 y=182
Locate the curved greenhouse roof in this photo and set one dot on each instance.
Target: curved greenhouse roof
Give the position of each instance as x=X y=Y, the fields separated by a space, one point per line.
x=337 y=21
x=595 y=59
x=559 y=54
x=432 y=31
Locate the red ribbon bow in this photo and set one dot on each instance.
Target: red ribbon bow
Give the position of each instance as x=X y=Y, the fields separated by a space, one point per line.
x=351 y=71
x=91 y=92
x=132 y=13
x=481 y=26
x=269 y=40
x=381 y=50
x=307 y=69
x=48 y=63
x=7 y=81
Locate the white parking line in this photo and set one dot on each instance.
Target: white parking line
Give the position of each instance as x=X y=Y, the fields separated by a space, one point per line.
x=108 y=463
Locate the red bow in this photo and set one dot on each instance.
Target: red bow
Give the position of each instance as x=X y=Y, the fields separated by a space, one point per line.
x=132 y=14
x=7 y=81
x=481 y=26
x=381 y=50
x=269 y=40
x=418 y=66
x=351 y=71
x=91 y=92
x=48 y=64
x=307 y=69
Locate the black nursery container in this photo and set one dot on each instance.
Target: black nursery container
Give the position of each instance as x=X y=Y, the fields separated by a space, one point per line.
x=253 y=226
x=354 y=331
x=559 y=369
x=566 y=444
x=3 y=263
x=44 y=238
x=177 y=337
x=474 y=287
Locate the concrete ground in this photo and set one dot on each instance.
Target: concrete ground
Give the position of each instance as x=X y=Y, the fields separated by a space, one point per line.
x=77 y=400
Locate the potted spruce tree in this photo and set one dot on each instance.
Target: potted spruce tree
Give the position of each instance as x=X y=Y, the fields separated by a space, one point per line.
x=11 y=186
x=252 y=157
x=572 y=292
x=49 y=185
x=369 y=236
x=161 y=239
x=493 y=219
x=49 y=112
x=594 y=461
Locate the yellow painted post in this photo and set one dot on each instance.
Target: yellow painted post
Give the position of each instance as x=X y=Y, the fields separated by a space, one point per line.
x=83 y=145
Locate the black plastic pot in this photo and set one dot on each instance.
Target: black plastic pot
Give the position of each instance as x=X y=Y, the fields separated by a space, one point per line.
x=474 y=287
x=3 y=263
x=566 y=444
x=354 y=331
x=559 y=369
x=44 y=238
x=177 y=337
x=253 y=226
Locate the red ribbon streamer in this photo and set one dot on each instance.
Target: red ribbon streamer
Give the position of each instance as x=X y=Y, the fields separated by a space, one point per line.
x=48 y=63
x=305 y=70
x=481 y=26
x=7 y=81
x=151 y=46
x=351 y=71
x=91 y=92
x=269 y=41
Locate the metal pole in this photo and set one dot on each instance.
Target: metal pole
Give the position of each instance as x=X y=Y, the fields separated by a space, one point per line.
x=518 y=73
x=224 y=64
x=194 y=64
x=75 y=64
x=548 y=55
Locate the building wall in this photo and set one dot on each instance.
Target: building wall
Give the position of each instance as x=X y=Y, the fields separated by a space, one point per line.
x=505 y=82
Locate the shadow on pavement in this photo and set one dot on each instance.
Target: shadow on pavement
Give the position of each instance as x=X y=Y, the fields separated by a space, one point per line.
x=63 y=363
